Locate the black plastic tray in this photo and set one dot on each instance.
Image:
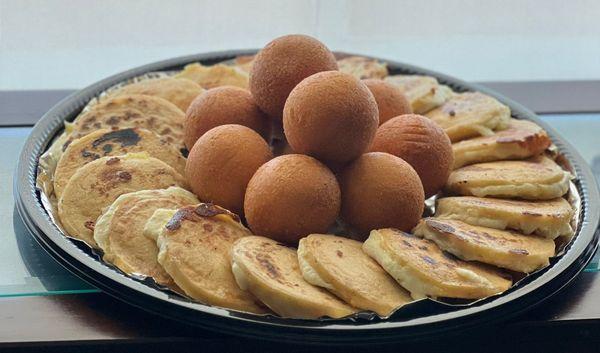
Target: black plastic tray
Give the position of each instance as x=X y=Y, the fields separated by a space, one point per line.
x=424 y=319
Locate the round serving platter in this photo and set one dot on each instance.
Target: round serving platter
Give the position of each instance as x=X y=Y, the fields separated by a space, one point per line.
x=424 y=319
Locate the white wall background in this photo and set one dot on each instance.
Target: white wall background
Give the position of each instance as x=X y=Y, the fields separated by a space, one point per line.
x=70 y=43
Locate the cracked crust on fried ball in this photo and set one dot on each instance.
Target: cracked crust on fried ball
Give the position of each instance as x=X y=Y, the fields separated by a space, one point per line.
x=420 y=142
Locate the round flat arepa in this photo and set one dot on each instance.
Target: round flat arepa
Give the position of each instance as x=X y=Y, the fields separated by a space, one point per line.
x=180 y=92
x=107 y=142
x=550 y=219
x=215 y=75
x=363 y=68
x=339 y=265
x=424 y=270
x=134 y=110
x=195 y=250
x=521 y=139
x=97 y=184
x=502 y=248
x=423 y=92
x=119 y=231
x=470 y=114
x=271 y=272
x=537 y=178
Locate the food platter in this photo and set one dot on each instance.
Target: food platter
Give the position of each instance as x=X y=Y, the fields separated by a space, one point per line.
x=425 y=318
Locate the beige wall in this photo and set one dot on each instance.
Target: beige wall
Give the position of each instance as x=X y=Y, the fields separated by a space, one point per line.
x=69 y=43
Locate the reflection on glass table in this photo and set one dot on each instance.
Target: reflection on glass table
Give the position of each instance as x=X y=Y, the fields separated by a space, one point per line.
x=26 y=269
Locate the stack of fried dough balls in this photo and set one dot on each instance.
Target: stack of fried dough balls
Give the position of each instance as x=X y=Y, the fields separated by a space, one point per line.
x=330 y=120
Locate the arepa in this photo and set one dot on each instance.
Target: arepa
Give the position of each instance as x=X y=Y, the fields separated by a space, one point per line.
x=550 y=219
x=97 y=184
x=362 y=67
x=106 y=142
x=271 y=272
x=537 y=178
x=119 y=231
x=470 y=114
x=339 y=265
x=215 y=76
x=195 y=250
x=132 y=110
x=502 y=248
x=180 y=92
x=423 y=92
x=424 y=270
x=522 y=139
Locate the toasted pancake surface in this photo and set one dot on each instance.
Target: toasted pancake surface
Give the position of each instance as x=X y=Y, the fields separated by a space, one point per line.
x=107 y=142
x=362 y=68
x=506 y=249
x=133 y=110
x=339 y=265
x=424 y=270
x=119 y=230
x=549 y=219
x=423 y=92
x=271 y=272
x=195 y=250
x=522 y=139
x=180 y=92
x=97 y=184
x=214 y=76
x=470 y=114
x=537 y=178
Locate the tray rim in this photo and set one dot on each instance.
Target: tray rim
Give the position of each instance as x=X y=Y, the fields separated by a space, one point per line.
x=138 y=294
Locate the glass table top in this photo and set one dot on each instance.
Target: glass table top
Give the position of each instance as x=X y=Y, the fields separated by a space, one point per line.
x=26 y=269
